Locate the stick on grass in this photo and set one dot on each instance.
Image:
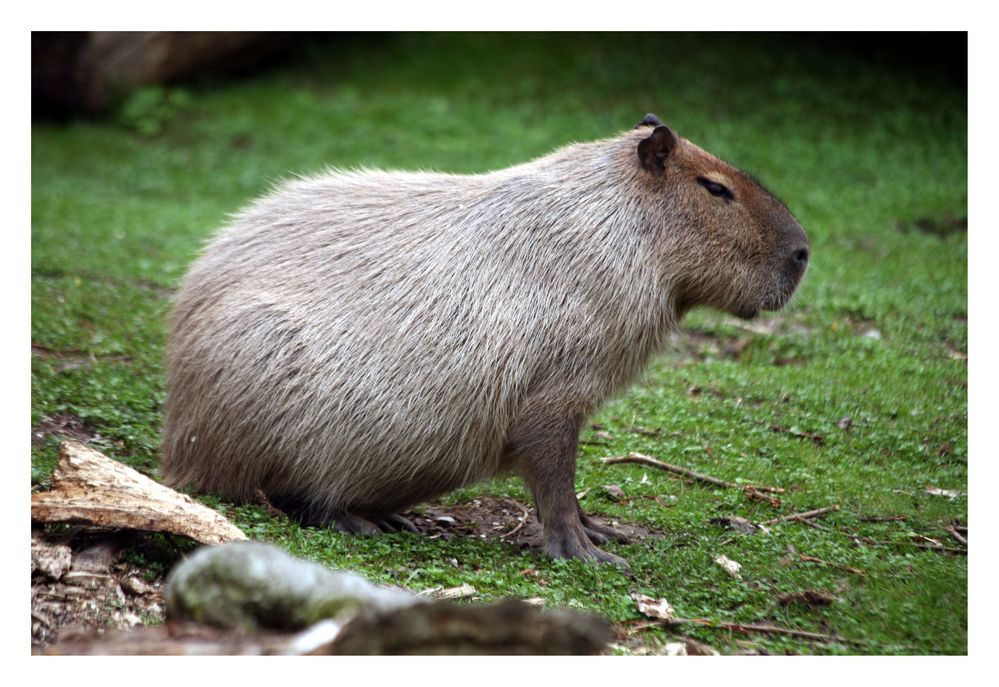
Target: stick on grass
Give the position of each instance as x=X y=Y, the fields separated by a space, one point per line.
x=954 y=533
x=520 y=525
x=847 y=568
x=764 y=629
x=861 y=539
x=642 y=459
x=817 y=513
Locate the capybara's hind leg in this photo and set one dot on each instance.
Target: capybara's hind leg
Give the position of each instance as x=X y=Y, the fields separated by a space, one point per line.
x=311 y=515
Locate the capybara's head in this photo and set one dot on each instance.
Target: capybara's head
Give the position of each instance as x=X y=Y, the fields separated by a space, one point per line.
x=730 y=244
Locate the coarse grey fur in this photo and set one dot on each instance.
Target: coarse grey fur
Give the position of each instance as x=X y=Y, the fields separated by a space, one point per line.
x=359 y=341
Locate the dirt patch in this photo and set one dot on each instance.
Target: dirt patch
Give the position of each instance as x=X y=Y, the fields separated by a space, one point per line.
x=79 y=587
x=936 y=226
x=809 y=598
x=64 y=425
x=495 y=518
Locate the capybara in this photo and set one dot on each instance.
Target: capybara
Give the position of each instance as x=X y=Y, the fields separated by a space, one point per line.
x=356 y=342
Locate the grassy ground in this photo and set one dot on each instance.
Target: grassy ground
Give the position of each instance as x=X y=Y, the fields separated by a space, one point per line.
x=872 y=159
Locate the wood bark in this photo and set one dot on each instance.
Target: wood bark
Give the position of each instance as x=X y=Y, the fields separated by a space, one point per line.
x=90 y=488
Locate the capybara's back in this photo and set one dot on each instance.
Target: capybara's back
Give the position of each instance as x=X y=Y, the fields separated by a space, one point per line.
x=356 y=342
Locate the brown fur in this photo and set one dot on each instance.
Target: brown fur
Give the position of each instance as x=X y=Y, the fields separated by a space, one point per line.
x=357 y=342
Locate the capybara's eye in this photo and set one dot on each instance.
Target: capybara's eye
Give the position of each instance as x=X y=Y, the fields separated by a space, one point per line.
x=716 y=189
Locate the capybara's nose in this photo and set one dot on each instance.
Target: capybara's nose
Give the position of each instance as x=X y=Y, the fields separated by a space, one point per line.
x=800 y=257
x=797 y=262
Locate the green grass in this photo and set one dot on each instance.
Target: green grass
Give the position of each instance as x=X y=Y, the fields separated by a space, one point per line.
x=867 y=155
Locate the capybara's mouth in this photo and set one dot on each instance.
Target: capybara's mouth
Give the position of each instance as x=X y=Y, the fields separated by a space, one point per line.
x=785 y=288
x=777 y=303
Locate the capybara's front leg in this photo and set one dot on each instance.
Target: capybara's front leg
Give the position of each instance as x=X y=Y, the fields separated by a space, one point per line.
x=543 y=444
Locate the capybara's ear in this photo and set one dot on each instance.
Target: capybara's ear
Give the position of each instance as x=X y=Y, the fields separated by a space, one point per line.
x=650 y=120
x=654 y=150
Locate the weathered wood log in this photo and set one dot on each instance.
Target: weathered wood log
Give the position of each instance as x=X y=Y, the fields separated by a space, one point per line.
x=441 y=627
x=505 y=628
x=254 y=598
x=90 y=488
x=170 y=640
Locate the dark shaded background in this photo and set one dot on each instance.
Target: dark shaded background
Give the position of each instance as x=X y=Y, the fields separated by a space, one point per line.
x=79 y=73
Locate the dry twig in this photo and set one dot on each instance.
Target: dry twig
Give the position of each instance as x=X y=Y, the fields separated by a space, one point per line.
x=765 y=629
x=644 y=431
x=817 y=513
x=882 y=518
x=861 y=539
x=954 y=533
x=523 y=520
x=754 y=494
x=813 y=559
x=744 y=628
x=642 y=459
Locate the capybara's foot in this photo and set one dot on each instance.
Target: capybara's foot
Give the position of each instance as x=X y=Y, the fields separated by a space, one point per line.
x=601 y=534
x=397 y=523
x=355 y=524
x=574 y=541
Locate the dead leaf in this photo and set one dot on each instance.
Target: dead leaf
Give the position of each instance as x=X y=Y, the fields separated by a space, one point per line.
x=736 y=523
x=954 y=353
x=660 y=609
x=945 y=449
x=729 y=566
x=675 y=649
x=614 y=492
x=937 y=491
x=695 y=648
